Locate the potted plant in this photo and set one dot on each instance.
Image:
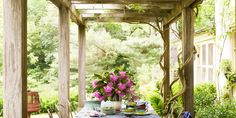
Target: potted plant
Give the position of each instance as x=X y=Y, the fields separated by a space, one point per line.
x=113 y=86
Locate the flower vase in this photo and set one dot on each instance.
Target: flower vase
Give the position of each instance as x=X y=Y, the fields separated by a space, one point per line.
x=117 y=105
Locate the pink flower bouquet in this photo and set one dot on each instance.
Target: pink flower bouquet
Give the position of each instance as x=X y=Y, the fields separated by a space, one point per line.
x=112 y=86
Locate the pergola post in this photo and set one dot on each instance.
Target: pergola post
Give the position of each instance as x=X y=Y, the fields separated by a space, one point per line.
x=81 y=68
x=167 y=63
x=64 y=62
x=188 y=46
x=15 y=55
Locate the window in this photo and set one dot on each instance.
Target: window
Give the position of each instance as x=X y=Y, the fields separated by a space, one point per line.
x=204 y=62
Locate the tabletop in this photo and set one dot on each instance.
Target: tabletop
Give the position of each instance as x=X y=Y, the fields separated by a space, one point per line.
x=84 y=114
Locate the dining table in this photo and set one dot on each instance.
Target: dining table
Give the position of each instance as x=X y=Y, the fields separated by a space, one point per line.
x=84 y=113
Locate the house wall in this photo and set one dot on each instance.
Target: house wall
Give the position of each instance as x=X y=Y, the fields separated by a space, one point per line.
x=228 y=51
x=204 y=62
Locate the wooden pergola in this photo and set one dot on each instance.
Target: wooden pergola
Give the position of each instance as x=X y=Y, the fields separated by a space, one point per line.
x=81 y=12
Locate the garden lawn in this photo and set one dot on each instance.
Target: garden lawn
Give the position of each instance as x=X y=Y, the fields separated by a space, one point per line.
x=40 y=116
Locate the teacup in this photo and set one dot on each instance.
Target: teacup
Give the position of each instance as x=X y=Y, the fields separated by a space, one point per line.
x=142 y=106
x=131 y=104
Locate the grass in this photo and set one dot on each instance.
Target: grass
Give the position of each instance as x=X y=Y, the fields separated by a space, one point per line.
x=40 y=116
x=48 y=91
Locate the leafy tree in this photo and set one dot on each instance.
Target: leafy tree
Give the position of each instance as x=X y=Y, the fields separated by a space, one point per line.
x=205 y=19
x=42 y=41
x=122 y=31
x=115 y=30
x=138 y=54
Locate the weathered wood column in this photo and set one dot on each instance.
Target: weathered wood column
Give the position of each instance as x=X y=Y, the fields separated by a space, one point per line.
x=15 y=55
x=188 y=46
x=167 y=63
x=64 y=62
x=82 y=50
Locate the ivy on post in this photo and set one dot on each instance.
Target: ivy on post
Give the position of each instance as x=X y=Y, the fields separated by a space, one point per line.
x=166 y=82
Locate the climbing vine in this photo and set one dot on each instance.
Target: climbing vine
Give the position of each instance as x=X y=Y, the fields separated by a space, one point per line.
x=230 y=75
x=168 y=106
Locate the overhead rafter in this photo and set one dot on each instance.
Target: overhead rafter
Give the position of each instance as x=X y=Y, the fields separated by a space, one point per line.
x=90 y=10
x=122 y=11
x=120 y=8
x=165 y=6
x=175 y=13
x=74 y=15
x=128 y=19
x=126 y=1
x=127 y=14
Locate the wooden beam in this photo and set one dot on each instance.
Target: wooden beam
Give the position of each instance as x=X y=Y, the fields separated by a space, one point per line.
x=60 y=3
x=175 y=13
x=193 y=3
x=104 y=11
x=123 y=6
x=82 y=79
x=74 y=15
x=15 y=55
x=64 y=62
x=117 y=19
x=167 y=63
x=126 y=1
x=188 y=47
x=124 y=15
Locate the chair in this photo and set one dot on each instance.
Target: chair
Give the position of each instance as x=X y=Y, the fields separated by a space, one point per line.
x=72 y=107
x=49 y=113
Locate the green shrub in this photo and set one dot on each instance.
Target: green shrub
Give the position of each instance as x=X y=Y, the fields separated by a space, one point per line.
x=204 y=95
x=178 y=103
x=226 y=65
x=1 y=107
x=48 y=103
x=73 y=102
x=225 y=109
x=52 y=103
x=206 y=105
x=157 y=103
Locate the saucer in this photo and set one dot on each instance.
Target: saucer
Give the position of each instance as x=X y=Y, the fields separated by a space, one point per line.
x=142 y=113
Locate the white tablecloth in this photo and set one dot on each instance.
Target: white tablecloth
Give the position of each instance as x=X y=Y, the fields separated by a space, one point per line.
x=84 y=114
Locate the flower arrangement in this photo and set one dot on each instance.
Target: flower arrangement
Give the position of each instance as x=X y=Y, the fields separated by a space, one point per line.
x=113 y=86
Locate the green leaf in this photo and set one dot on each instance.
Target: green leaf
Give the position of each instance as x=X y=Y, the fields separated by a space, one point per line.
x=98 y=76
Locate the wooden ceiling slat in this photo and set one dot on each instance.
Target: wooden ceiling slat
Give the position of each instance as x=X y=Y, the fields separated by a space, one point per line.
x=110 y=10
x=106 y=10
x=123 y=6
x=133 y=19
x=153 y=11
x=128 y=14
x=126 y=1
x=73 y=13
